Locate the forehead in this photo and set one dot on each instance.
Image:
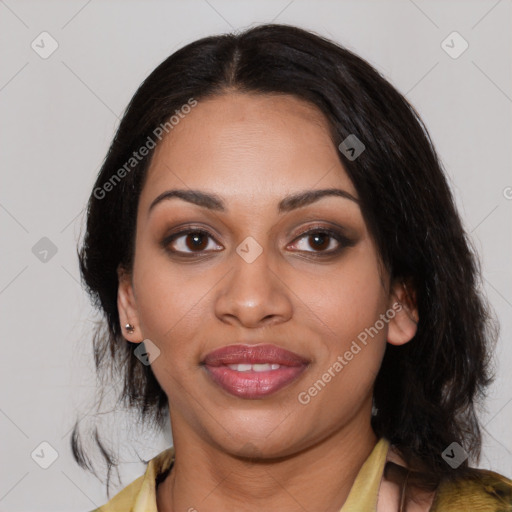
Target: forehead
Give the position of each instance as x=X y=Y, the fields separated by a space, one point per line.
x=255 y=147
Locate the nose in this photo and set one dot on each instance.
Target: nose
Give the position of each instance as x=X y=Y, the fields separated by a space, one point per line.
x=253 y=294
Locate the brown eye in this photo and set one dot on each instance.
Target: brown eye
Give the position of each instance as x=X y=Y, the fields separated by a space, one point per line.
x=319 y=241
x=189 y=242
x=322 y=242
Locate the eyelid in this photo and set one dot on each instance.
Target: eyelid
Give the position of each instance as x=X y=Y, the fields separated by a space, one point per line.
x=338 y=230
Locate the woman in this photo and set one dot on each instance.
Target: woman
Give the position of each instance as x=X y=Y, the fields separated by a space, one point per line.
x=273 y=222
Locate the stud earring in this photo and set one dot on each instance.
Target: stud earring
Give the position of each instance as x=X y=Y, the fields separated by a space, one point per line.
x=129 y=328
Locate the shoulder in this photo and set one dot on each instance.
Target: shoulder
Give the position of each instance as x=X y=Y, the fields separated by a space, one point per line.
x=482 y=490
x=478 y=490
x=124 y=499
x=141 y=492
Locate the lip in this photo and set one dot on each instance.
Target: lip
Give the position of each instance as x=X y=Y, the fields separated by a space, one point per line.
x=253 y=384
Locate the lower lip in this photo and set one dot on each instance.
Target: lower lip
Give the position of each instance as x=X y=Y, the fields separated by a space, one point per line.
x=253 y=385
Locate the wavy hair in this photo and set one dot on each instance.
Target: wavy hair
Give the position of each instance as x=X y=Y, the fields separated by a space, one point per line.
x=427 y=391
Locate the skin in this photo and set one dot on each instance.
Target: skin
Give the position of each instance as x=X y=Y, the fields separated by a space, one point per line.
x=252 y=151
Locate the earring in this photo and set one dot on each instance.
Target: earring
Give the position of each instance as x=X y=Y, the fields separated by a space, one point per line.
x=129 y=328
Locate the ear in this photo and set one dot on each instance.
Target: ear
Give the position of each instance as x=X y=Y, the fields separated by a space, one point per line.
x=127 y=308
x=402 y=299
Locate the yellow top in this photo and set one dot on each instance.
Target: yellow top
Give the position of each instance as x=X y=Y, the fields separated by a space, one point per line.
x=492 y=492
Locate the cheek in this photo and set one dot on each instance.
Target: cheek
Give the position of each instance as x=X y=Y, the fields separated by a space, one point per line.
x=346 y=300
x=347 y=305
x=170 y=302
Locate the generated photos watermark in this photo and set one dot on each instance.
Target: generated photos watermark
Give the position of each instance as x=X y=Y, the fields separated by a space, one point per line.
x=137 y=156
x=304 y=397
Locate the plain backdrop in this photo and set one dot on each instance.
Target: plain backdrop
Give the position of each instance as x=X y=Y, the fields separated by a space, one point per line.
x=58 y=116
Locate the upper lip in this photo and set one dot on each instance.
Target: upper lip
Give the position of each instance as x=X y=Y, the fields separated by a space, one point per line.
x=253 y=354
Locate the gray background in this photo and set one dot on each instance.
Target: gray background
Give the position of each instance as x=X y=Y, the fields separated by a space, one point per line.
x=58 y=117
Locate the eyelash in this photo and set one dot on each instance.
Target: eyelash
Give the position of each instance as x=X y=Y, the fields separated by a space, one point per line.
x=342 y=240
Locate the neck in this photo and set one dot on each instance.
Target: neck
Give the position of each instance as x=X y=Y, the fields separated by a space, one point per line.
x=204 y=478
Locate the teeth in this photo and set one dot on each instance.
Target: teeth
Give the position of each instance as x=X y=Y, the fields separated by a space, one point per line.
x=265 y=367
x=241 y=367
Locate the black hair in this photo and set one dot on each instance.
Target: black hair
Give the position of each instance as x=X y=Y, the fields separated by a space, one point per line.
x=427 y=390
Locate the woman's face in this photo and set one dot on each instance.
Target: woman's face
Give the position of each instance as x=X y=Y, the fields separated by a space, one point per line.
x=252 y=277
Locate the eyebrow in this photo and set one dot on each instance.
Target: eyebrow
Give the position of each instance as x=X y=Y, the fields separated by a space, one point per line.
x=287 y=204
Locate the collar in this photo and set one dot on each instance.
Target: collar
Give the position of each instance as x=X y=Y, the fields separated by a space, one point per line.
x=140 y=495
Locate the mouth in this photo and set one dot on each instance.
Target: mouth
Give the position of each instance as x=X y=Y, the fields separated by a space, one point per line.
x=253 y=371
